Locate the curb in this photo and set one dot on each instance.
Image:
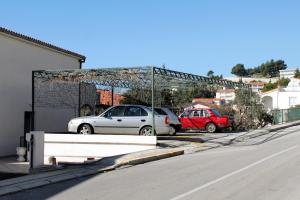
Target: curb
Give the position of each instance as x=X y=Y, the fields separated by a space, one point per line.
x=19 y=184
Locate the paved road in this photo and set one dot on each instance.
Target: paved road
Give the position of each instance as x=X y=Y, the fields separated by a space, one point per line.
x=269 y=171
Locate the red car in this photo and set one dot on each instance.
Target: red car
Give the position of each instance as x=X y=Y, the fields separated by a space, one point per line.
x=207 y=119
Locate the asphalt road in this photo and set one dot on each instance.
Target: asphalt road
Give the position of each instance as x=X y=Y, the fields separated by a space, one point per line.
x=269 y=171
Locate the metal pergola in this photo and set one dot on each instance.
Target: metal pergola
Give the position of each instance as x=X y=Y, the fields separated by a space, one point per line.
x=132 y=77
x=149 y=77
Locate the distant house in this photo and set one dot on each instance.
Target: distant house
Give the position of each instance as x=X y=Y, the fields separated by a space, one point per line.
x=282 y=98
x=257 y=86
x=19 y=56
x=105 y=98
x=287 y=73
x=227 y=95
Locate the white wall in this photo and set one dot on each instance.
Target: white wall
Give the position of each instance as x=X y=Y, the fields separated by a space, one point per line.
x=77 y=148
x=17 y=60
x=281 y=100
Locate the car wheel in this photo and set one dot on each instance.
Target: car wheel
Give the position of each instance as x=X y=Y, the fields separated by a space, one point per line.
x=146 y=131
x=85 y=129
x=211 y=128
x=172 y=130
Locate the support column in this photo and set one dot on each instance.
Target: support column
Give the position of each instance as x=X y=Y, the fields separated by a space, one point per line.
x=152 y=102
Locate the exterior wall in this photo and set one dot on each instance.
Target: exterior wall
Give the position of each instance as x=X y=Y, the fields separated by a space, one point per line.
x=288 y=73
x=17 y=60
x=227 y=96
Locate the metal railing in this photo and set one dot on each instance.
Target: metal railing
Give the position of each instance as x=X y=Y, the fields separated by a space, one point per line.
x=285 y=115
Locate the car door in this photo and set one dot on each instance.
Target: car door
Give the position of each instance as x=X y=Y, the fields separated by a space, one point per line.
x=135 y=117
x=110 y=122
x=185 y=120
x=196 y=119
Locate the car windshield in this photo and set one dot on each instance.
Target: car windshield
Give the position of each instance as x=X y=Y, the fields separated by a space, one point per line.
x=216 y=112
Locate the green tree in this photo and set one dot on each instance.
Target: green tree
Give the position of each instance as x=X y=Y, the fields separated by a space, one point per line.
x=239 y=70
x=210 y=74
x=283 y=82
x=297 y=73
x=268 y=69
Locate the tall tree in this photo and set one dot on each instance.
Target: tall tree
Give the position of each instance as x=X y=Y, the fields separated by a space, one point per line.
x=239 y=70
x=210 y=73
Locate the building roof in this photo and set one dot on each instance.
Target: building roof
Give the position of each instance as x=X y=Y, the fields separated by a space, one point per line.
x=206 y=100
x=41 y=43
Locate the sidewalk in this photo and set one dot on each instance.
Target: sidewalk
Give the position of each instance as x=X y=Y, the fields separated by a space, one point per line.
x=10 y=165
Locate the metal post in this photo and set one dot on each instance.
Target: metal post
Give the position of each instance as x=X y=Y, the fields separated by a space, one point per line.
x=153 y=114
x=79 y=99
x=31 y=151
x=32 y=101
x=112 y=95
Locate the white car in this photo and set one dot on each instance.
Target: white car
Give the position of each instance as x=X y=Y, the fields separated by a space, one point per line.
x=123 y=119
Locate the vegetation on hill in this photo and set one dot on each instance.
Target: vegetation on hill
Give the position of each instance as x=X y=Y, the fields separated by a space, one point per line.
x=268 y=69
x=211 y=74
x=297 y=73
x=283 y=82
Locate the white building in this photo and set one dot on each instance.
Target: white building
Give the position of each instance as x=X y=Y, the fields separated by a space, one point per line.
x=19 y=56
x=282 y=98
x=227 y=94
x=287 y=73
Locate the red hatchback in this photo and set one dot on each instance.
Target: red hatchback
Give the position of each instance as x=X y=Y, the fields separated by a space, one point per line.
x=206 y=119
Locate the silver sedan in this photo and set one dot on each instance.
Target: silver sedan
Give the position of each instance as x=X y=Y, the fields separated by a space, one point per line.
x=123 y=119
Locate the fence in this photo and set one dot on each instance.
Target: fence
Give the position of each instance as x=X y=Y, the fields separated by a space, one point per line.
x=286 y=115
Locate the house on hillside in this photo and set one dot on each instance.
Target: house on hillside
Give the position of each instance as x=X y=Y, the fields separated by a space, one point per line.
x=257 y=86
x=105 y=98
x=282 y=98
x=287 y=73
x=19 y=56
x=225 y=94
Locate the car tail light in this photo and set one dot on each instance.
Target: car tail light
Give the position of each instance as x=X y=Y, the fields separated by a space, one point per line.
x=167 y=120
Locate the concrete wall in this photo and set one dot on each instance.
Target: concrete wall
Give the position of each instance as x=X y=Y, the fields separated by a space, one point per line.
x=17 y=60
x=281 y=99
x=77 y=148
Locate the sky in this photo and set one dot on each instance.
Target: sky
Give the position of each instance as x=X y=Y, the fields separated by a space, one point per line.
x=192 y=36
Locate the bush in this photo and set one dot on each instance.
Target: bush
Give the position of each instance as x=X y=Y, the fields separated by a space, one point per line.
x=250 y=113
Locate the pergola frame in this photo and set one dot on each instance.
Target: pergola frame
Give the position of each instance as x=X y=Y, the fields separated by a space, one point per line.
x=136 y=77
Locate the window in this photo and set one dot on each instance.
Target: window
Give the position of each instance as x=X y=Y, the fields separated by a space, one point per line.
x=197 y=113
x=205 y=113
x=135 y=111
x=216 y=112
x=160 y=111
x=115 y=112
x=292 y=101
x=185 y=114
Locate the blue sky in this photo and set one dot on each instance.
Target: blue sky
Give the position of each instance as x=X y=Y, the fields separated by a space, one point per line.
x=191 y=36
